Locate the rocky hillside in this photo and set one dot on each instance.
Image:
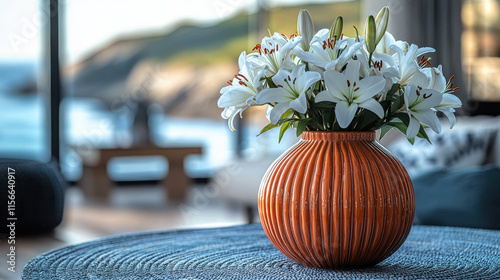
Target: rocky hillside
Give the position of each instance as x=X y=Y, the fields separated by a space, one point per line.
x=184 y=70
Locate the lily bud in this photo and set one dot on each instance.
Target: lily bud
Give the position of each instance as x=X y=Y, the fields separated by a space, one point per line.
x=305 y=28
x=336 y=29
x=381 y=22
x=370 y=34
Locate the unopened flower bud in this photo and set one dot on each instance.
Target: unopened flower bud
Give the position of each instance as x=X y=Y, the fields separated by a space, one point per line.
x=305 y=28
x=381 y=23
x=336 y=29
x=370 y=34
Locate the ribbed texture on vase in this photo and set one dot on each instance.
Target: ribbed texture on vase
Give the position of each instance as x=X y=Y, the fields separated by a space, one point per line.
x=337 y=200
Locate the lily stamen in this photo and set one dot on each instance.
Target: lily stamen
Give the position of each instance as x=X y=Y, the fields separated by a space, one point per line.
x=378 y=64
x=424 y=62
x=449 y=85
x=258 y=47
x=240 y=75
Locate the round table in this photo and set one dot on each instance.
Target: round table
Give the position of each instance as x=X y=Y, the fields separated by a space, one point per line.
x=244 y=252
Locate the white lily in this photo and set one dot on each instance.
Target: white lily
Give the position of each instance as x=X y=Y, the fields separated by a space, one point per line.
x=419 y=103
x=274 y=53
x=240 y=94
x=437 y=82
x=447 y=106
x=407 y=62
x=330 y=53
x=384 y=46
x=290 y=92
x=350 y=93
x=382 y=65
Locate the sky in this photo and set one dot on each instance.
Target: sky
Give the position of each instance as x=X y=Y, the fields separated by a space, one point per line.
x=90 y=24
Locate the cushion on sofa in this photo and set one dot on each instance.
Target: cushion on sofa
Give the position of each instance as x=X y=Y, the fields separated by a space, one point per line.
x=464 y=147
x=466 y=197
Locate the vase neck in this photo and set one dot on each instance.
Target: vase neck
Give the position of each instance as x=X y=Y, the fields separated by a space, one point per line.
x=339 y=135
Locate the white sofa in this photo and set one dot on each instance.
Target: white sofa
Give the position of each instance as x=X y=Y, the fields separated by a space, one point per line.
x=473 y=141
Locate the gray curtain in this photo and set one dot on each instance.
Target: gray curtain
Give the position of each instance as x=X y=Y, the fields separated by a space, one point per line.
x=428 y=23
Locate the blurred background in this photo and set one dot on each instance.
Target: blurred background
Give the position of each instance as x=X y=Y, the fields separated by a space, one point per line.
x=137 y=74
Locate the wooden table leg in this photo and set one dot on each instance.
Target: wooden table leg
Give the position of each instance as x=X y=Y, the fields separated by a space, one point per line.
x=176 y=182
x=95 y=182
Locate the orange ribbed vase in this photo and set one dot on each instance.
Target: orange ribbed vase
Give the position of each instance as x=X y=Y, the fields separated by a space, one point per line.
x=337 y=200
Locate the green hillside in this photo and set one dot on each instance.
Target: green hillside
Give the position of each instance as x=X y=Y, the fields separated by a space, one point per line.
x=105 y=73
x=282 y=20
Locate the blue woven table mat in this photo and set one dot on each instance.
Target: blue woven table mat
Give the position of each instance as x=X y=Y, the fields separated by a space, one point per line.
x=244 y=252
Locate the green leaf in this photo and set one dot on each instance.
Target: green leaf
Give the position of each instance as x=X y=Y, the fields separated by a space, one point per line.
x=326 y=118
x=398 y=125
x=301 y=125
x=282 y=121
x=423 y=134
x=397 y=103
x=283 y=129
x=325 y=104
x=270 y=82
x=404 y=118
x=403 y=128
x=286 y=117
x=267 y=128
x=385 y=104
x=367 y=120
x=384 y=130
x=392 y=91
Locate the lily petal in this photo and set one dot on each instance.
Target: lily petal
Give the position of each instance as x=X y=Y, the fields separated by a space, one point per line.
x=234 y=97
x=369 y=87
x=277 y=112
x=432 y=98
x=429 y=118
x=347 y=55
x=450 y=100
x=307 y=80
x=372 y=105
x=299 y=104
x=419 y=79
x=272 y=95
x=449 y=114
x=352 y=71
x=424 y=50
x=230 y=114
x=413 y=128
x=332 y=79
x=325 y=96
x=345 y=113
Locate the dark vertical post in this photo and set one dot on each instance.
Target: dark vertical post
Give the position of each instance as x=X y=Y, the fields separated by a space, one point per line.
x=54 y=77
x=239 y=126
x=258 y=24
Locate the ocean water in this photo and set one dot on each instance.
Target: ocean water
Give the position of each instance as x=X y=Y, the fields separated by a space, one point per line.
x=24 y=133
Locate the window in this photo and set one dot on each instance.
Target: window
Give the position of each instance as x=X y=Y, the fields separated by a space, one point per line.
x=23 y=98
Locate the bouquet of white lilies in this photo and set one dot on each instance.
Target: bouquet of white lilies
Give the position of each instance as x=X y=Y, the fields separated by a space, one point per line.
x=329 y=82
